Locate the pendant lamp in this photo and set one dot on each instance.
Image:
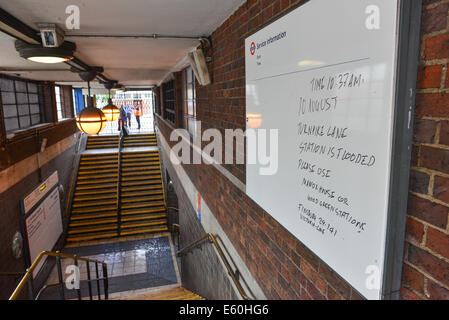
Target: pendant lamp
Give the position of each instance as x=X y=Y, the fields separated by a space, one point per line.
x=91 y=120
x=110 y=110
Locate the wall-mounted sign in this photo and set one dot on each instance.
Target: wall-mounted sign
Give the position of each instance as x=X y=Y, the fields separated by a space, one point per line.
x=324 y=76
x=43 y=220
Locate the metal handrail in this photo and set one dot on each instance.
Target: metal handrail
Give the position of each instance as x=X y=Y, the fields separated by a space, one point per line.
x=119 y=174
x=59 y=255
x=73 y=179
x=225 y=261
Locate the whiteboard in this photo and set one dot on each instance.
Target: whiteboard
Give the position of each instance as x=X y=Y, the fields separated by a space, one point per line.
x=323 y=77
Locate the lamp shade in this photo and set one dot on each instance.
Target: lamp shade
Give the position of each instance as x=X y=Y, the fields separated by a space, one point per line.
x=111 y=111
x=91 y=120
x=37 y=53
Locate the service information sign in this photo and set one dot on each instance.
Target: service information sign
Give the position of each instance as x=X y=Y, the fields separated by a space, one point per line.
x=323 y=76
x=44 y=224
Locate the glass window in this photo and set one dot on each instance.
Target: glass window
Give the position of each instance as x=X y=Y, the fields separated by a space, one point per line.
x=20 y=104
x=189 y=103
x=58 y=102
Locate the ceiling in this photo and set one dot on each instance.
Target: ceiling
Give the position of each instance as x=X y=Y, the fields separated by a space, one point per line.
x=132 y=61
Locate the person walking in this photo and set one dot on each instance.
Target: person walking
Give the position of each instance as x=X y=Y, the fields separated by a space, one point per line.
x=122 y=118
x=138 y=113
x=129 y=111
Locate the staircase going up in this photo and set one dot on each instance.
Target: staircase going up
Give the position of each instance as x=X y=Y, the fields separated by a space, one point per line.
x=140 y=140
x=178 y=293
x=117 y=197
x=94 y=206
x=142 y=201
x=102 y=142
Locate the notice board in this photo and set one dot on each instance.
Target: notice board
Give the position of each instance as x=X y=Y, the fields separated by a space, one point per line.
x=325 y=77
x=43 y=220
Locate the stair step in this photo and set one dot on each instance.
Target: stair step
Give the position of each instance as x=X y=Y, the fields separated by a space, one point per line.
x=139 y=178
x=91 y=196
x=87 y=222
x=92 y=162
x=137 y=217
x=143 y=159
x=94 y=209
x=144 y=230
x=130 y=188
x=130 y=169
x=106 y=156
x=138 y=194
x=98 y=228
x=97 y=181
x=140 y=164
x=86 y=172
x=142 y=199
x=126 y=174
x=141 y=183
x=139 y=224
x=142 y=205
x=102 y=188
x=130 y=212
x=83 y=204
x=102 y=235
x=101 y=215
x=97 y=175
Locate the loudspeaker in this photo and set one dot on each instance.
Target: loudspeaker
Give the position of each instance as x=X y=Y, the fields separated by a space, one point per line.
x=198 y=63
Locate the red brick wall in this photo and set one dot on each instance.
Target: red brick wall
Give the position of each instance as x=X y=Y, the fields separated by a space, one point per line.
x=426 y=268
x=283 y=266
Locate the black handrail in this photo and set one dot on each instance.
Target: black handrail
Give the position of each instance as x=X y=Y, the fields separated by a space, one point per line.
x=234 y=275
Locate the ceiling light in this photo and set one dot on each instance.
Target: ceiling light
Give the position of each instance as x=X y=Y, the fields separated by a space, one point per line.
x=37 y=53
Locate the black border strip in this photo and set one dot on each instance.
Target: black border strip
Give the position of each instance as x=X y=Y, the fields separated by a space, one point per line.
x=409 y=22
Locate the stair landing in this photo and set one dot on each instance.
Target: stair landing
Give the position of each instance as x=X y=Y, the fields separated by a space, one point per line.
x=176 y=293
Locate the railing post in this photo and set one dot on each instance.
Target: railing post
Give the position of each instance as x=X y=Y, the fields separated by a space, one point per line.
x=98 y=281
x=60 y=279
x=88 y=280
x=75 y=258
x=105 y=284
x=30 y=288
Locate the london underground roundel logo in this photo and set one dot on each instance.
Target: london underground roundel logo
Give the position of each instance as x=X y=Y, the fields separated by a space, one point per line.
x=252 y=49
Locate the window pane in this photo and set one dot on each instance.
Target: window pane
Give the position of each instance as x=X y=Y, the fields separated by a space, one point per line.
x=24 y=121
x=23 y=109
x=9 y=110
x=8 y=98
x=189 y=92
x=11 y=124
x=35 y=119
x=189 y=72
x=190 y=108
x=33 y=98
x=21 y=86
x=22 y=98
x=6 y=84
x=32 y=87
x=34 y=108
